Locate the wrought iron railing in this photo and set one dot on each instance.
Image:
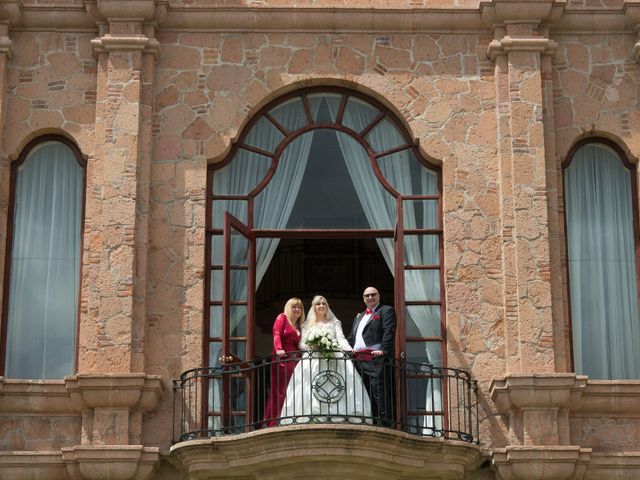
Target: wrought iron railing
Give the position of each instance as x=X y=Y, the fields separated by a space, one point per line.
x=417 y=398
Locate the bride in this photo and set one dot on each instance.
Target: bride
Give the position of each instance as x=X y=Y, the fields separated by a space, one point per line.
x=324 y=389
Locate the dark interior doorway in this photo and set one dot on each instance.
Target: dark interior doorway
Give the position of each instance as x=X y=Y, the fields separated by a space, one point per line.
x=339 y=269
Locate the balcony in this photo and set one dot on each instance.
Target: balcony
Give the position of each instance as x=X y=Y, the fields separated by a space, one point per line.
x=325 y=421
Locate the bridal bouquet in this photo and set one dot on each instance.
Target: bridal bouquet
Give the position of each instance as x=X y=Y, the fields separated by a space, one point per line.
x=322 y=341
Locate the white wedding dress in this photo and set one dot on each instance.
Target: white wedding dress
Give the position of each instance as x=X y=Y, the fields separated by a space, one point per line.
x=325 y=390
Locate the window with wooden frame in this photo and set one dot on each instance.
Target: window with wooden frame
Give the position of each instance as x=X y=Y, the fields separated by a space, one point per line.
x=601 y=217
x=322 y=163
x=42 y=268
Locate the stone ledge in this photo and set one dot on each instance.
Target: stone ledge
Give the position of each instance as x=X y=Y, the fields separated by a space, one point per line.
x=609 y=397
x=621 y=466
x=541 y=463
x=28 y=465
x=384 y=453
x=35 y=396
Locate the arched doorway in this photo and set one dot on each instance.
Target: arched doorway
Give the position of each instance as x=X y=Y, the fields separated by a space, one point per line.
x=332 y=168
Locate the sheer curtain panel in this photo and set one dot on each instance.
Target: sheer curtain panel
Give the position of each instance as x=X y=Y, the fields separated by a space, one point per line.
x=602 y=265
x=45 y=264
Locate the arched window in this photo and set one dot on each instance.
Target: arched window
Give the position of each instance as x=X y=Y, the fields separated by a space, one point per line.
x=43 y=276
x=324 y=165
x=601 y=219
x=326 y=160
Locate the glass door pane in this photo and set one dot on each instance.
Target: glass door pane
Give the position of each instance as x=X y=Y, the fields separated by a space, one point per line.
x=237 y=307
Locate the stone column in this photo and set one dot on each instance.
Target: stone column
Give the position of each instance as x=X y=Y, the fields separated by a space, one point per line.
x=9 y=13
x=518 y=49
x=112 y=327
x=111 y=389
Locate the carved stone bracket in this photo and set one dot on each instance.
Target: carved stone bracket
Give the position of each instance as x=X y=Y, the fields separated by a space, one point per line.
x=121 y=462
x=5 y=46
x=112 y=405
x=538 y=406
x=541 y=463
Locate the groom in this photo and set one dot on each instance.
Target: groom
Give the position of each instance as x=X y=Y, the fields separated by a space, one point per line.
x=372 y=338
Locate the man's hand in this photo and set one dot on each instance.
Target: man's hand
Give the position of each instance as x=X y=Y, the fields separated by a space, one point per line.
x=377 y=353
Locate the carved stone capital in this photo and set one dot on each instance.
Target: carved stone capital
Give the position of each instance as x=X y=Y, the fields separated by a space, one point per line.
x=111 y=43
x=533 y=392
x=127 y=390
x=126 y=9
x=541 y=463
x=5 y=46
x=10 y=11
x=510 y=44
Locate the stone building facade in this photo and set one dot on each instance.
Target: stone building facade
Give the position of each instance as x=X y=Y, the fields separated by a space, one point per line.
x=150 y=95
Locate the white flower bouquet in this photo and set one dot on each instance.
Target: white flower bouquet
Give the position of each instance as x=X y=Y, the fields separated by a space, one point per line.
x=322 y=341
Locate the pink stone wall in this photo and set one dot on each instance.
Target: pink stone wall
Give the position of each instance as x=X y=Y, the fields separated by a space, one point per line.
x=595 y=89
x=39 y=432
x=51 y=89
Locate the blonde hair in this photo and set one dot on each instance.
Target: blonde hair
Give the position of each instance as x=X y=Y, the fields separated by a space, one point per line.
x=311 y=317
x=288 y=311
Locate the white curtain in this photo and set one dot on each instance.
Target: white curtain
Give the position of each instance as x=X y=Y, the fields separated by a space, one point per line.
x=380 y=210
x=602 y=266
x=272 y=206
x=45 y=264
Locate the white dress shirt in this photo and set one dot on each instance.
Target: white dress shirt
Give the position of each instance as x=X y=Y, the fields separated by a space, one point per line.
x=364 y=321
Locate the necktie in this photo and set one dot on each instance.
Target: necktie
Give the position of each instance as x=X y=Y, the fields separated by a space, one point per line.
x=368 y=311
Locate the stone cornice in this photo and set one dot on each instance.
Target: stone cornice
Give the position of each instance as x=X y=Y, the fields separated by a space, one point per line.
x=109 y=43
x=81 y=18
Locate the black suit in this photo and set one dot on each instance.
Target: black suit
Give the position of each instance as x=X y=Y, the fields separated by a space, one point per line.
x=378 y=374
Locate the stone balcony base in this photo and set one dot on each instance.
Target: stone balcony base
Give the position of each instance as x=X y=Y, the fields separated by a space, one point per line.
x=541 y=462
x=326 y=451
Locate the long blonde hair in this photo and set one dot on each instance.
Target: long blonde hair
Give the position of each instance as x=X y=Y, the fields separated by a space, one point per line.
x=288 y=311
x=311 y=317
